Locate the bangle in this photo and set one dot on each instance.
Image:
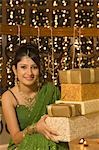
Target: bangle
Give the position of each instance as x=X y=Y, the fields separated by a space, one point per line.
x=25 y=131
x=32 y=129
x=29 y=130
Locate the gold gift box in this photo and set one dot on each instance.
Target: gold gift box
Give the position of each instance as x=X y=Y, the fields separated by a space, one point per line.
x=86 y=107
x=72 y=128
x=64 y=110
x=84 y=75
x=79 y=92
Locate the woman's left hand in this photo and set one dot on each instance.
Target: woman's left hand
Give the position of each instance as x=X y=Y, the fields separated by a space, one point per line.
x=41 y=127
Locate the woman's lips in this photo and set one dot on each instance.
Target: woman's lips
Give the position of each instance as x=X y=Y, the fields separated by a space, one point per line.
x=29 y=78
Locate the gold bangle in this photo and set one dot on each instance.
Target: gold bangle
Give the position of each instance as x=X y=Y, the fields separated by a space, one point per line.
x=32 y=129
x=29 y=130
x=25 y=131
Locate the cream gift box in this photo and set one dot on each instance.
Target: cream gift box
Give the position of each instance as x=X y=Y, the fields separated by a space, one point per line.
x=79 y=92
x=86 y=107
x=84 y=75
x=72 y=128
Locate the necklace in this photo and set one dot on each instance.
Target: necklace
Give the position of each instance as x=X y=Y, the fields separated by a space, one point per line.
x=28 y=101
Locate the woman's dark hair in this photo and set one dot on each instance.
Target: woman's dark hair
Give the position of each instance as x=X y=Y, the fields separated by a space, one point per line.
x=27 y=49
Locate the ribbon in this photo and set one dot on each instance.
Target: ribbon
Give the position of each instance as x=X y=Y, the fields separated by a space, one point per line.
x=91 y=75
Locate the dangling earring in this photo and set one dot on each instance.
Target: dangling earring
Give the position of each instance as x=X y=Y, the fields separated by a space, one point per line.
x=38 y=84
x=16 y=80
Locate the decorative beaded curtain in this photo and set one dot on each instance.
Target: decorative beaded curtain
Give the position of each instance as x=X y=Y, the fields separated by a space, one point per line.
x=57 y=52
x=1 y=58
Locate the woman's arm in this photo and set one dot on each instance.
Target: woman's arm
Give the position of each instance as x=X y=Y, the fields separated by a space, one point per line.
x=8 y=107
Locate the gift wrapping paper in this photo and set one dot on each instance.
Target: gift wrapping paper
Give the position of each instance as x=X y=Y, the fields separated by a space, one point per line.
x=84 y=75
x=69 y=129
x=79 y=92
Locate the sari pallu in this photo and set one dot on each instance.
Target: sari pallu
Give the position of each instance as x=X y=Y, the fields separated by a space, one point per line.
x=48 y=94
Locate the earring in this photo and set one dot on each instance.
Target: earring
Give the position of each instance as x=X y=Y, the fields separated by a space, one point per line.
x=38 y=84
x=16 y=80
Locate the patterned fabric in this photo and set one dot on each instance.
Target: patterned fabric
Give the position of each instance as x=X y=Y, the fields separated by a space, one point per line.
x=47 y=95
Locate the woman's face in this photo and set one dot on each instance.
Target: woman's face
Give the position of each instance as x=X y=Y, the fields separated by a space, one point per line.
x=27 y=71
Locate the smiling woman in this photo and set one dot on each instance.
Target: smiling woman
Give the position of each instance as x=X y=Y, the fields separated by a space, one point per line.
x=27 y=74
x=24 y=105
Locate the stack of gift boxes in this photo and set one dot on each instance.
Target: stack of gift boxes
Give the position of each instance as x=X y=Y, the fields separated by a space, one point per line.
x=76 y=114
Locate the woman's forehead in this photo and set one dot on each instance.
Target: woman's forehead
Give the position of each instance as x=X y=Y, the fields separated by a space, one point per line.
x=26 y=60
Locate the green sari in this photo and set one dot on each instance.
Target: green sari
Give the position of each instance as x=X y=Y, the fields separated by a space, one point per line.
x=47 y=95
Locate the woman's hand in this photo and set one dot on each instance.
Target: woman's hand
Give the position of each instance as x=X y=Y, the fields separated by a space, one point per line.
x=41 y=127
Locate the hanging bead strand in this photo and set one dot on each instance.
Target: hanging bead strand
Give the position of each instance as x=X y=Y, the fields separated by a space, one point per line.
x=52 y=53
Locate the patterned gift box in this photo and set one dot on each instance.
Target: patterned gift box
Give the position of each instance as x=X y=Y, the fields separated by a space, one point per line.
x=79 y=92
x=69 y=129
x=84 y=75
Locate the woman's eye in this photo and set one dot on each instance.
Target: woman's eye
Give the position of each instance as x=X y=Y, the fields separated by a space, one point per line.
x=35 y=67
x=23 y=67
x=32 y=67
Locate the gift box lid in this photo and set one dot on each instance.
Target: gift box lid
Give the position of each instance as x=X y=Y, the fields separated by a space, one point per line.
x=84 y=75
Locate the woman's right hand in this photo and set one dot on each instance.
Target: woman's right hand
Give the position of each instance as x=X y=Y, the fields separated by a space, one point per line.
x=41 y=127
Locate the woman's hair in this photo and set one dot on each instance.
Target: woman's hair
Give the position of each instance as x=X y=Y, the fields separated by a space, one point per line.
x=27 y=49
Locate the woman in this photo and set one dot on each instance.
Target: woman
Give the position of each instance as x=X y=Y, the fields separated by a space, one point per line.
x=24 y=105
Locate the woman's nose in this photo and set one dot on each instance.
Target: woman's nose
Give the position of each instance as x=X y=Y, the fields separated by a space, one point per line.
x=30 y=71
